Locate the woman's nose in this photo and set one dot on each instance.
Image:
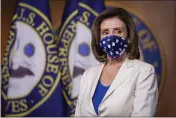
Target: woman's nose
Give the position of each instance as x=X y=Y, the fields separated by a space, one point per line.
x=112 y=33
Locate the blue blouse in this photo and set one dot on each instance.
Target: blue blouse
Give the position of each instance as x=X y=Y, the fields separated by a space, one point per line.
x=98 y=95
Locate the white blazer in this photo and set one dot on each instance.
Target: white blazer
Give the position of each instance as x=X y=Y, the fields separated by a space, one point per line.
x=133 y=92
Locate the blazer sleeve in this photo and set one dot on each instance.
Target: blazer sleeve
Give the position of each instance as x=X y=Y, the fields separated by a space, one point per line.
x=82 y=82
x=146 y=94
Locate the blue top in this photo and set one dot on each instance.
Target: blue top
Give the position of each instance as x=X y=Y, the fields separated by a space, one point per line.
x=98 y=95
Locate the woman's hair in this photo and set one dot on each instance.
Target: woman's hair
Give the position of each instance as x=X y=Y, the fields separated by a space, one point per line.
x=132 y=36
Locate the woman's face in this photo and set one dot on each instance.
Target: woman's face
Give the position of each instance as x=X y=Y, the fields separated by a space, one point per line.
x=113 y=26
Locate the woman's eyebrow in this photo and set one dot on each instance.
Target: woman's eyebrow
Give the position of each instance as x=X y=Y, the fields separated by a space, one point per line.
x=106 y=29
x=118 y=28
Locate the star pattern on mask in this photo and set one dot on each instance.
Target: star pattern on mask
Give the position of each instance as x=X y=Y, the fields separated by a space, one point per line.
x=113 y=46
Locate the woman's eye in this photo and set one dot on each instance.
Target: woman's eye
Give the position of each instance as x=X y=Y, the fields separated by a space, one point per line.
x=117 y=31
x=105 y=32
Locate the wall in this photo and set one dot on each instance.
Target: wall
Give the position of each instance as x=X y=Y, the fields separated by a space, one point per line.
x=160 y=15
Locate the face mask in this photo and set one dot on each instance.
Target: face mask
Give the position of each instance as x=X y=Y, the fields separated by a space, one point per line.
x=114 y=46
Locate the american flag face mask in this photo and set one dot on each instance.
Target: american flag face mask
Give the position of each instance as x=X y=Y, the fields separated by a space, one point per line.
x=114 y=46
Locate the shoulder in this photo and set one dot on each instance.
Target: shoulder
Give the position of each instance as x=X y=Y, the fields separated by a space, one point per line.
x=143 y=66
x=91 y=72
x=94 y=69
x=89 y=75
x=145 y=74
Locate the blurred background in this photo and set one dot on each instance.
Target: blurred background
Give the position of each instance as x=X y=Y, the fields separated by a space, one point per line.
x=159 y=17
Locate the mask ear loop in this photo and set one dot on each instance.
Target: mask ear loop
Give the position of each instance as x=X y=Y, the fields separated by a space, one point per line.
x=128 y=47
x=98 y=44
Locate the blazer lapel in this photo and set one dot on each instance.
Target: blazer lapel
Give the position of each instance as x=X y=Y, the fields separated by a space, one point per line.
x=123 y=73
x=94 y=85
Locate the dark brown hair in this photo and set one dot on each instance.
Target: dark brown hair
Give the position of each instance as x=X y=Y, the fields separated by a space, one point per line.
x=132 y=36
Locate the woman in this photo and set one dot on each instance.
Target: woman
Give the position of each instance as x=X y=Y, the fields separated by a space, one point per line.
x=121 y=85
